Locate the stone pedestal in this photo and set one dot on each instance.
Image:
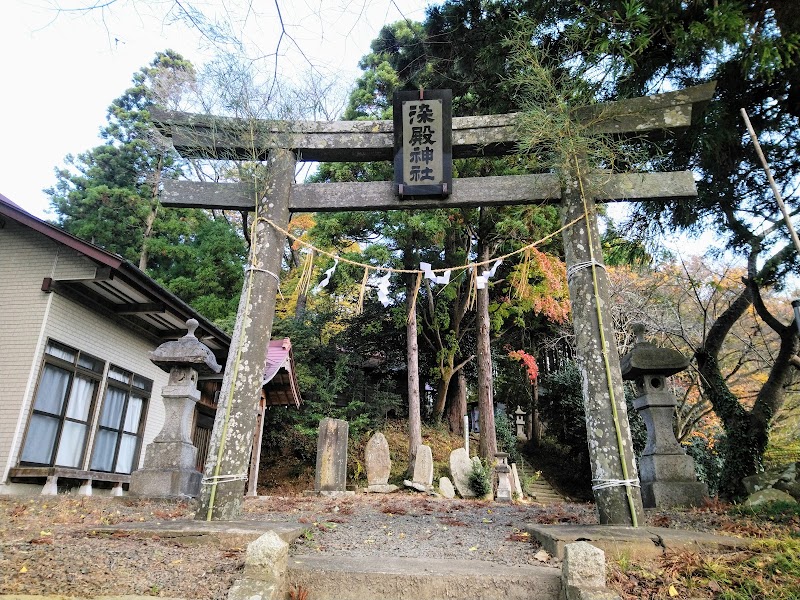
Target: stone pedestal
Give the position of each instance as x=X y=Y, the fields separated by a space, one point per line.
x=169 y=469
x=667 y=475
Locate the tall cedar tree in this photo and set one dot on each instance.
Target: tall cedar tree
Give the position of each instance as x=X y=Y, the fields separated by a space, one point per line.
x=109 y=196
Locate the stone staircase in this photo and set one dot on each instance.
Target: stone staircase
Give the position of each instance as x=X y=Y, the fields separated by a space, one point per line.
x=395 y=578
x=540 y=490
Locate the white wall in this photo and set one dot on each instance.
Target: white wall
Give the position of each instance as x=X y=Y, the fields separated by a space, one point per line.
x=29 y=316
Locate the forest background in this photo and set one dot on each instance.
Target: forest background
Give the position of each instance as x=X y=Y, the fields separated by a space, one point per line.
x=727 y=310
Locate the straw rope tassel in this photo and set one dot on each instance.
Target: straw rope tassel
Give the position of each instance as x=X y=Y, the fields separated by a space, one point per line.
x=417 y=285
x=308 y=270
x=473 y=287
x=360 y=308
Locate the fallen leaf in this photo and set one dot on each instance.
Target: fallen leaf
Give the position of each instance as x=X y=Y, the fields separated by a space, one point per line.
x=542 y=555
x=44 y=533
x=473 y=549
x=41 y=541
x=24 y=569
x=672 y=591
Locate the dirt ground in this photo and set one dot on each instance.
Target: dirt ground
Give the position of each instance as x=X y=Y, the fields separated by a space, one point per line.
x=52 y=545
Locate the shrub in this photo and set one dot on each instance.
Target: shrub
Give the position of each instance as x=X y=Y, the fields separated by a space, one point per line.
x=708 y=462
x=480 y=478
x=506 y=437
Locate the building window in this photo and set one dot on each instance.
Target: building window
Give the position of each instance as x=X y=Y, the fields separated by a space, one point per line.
x=121 y=424
x=65 y=396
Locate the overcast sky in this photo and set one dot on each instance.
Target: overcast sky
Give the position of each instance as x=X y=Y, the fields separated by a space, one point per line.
x=62 y=69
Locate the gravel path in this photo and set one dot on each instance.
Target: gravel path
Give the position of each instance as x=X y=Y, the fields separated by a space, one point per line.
x=414 y=525
x=51 y=545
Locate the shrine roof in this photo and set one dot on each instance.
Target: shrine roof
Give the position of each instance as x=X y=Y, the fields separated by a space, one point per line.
x=280 y=378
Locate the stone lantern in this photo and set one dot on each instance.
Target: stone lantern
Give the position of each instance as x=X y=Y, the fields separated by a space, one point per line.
x=503 y=476
x=169 y=469
x=666 y=473
x=519 y=421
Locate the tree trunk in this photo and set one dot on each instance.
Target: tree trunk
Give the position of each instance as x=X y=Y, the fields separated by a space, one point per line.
x=151 y=216
x=457 y=403
x=744 y=460
x=442 y=393
x=746 y=432
x=148 y=231
x=488 y=439
x=412 y=363
x=535 y=425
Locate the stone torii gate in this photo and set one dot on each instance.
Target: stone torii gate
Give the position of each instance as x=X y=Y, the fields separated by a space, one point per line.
x=283 y=143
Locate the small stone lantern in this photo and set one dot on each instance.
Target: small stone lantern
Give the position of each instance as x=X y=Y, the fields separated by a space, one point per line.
x=169 y=469
x=519 y=420
x=666 y=473
x=503 y=475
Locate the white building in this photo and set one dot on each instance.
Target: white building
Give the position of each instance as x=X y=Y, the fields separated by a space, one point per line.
x=79 y=397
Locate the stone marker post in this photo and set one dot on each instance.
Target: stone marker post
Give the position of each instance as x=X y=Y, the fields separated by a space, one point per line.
x=610 y=446
x=331 y=475
x=169 y=461
x=232 y=438
x=667 y=473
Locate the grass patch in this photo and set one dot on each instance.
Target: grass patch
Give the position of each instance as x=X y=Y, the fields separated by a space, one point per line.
x=768 y=570
x=776 y=512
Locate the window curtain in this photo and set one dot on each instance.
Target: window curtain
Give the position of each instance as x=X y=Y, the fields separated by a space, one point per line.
x=73 y=435
x=43 y=429
x=105 y=443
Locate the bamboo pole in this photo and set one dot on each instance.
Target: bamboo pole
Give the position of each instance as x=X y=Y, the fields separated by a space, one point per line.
x=772 y=183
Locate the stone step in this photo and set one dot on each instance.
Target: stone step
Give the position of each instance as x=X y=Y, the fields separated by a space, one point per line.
x=393 y=578
x=539 y=490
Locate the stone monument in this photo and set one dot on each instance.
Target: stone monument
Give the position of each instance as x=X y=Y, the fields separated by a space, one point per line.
x=169 y=469
x=422 y=479
x=379 y=465
x=460 y=469
x=331 y=475
x=667 y=474
x=446 y=488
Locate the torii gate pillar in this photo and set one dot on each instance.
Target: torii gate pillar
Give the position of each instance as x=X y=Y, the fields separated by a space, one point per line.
x=608 y=432
x=226 y=469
